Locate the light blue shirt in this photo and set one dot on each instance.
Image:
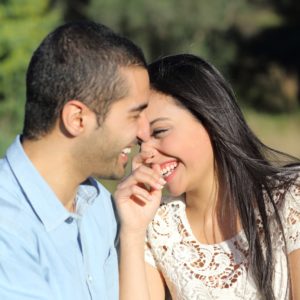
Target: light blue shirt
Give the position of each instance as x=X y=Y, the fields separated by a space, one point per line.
x=46 y=252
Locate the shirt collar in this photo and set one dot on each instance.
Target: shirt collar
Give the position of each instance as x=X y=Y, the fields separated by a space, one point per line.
x=38 y=193
x=86 y=194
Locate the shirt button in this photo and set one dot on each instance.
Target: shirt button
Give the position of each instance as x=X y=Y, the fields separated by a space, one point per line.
x=69 y=220
x=90 y=278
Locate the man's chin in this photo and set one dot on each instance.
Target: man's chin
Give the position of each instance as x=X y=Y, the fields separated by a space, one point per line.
x=115 y=175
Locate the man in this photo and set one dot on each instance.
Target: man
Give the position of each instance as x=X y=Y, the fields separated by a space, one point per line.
x=86 y=91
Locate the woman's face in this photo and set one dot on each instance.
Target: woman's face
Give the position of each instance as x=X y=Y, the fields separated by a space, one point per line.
x=180 y=145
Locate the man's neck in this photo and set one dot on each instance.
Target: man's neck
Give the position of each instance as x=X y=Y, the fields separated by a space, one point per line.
x=52 y=160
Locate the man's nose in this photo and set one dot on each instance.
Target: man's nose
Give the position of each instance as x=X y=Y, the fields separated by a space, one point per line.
x=143 y=134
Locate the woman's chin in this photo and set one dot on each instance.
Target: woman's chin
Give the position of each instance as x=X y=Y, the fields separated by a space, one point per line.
x=175 y=193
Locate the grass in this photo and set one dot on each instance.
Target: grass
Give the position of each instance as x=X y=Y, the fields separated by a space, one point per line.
x=281 y=132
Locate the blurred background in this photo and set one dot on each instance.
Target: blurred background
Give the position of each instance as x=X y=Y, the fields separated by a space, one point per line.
x=254 y=43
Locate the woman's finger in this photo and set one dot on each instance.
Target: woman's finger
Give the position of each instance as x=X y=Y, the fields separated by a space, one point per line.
x=144 y=175
x=143 y=157
x=132 y=192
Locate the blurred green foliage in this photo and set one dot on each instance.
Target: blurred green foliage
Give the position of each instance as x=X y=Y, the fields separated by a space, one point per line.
x=173 y=26
x=23 y=24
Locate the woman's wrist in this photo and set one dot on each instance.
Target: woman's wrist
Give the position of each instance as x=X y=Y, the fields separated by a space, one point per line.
x=132 y=236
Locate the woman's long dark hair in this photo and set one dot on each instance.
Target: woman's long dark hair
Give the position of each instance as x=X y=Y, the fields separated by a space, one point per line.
x=244 y=165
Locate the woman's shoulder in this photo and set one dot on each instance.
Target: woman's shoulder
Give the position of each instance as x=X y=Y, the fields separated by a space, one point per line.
x=163 y=231
x=284 y=186
x=170 y=208
x=167 y=217
x=288 y=203
x=291 y=196
x=294 y=189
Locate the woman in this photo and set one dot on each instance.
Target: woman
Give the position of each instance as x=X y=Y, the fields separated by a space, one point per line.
x=231 y=226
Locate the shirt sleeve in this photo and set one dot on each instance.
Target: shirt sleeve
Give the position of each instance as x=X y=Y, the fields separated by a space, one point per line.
x=20 y=274
x=292 y=217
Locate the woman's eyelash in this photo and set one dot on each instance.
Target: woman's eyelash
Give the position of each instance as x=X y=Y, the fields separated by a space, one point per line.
x=158 y=131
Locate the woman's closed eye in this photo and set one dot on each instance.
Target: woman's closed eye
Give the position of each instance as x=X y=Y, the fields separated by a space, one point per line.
x=157 y=133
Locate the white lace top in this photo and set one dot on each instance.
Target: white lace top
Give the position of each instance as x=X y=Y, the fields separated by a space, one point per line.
x=193 y=270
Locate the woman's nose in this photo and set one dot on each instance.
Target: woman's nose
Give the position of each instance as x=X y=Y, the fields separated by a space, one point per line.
x=148 y=150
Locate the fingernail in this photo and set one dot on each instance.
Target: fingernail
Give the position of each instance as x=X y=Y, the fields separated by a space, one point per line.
x=162 y=181
x=159 y=186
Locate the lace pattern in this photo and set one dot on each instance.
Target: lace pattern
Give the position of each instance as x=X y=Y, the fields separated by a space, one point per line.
x=198 y=271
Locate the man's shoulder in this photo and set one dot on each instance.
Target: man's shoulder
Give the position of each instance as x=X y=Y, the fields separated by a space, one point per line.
x=13 y=217
x=12 y=209
x=16 y=226
x=5 y=171
x=10 y=192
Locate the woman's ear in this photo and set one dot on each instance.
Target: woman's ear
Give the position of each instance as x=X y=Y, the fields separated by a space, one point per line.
x=74 y=117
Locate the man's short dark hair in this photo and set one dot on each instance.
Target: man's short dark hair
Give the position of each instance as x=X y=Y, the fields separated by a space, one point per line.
x=79 y=60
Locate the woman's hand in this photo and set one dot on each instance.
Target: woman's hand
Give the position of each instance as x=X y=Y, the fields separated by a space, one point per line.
x=138 y=196
x=137 y=199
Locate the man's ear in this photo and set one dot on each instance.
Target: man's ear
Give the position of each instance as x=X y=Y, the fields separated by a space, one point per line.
x=74 y=116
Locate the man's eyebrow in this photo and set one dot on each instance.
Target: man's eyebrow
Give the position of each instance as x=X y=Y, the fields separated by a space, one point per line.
x=139 y=108
x=158 y=119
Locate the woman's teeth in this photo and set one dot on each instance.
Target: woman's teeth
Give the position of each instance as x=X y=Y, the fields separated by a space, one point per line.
x=167 y=171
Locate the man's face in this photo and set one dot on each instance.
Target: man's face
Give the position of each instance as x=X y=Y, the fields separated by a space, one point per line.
x=110 y=144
